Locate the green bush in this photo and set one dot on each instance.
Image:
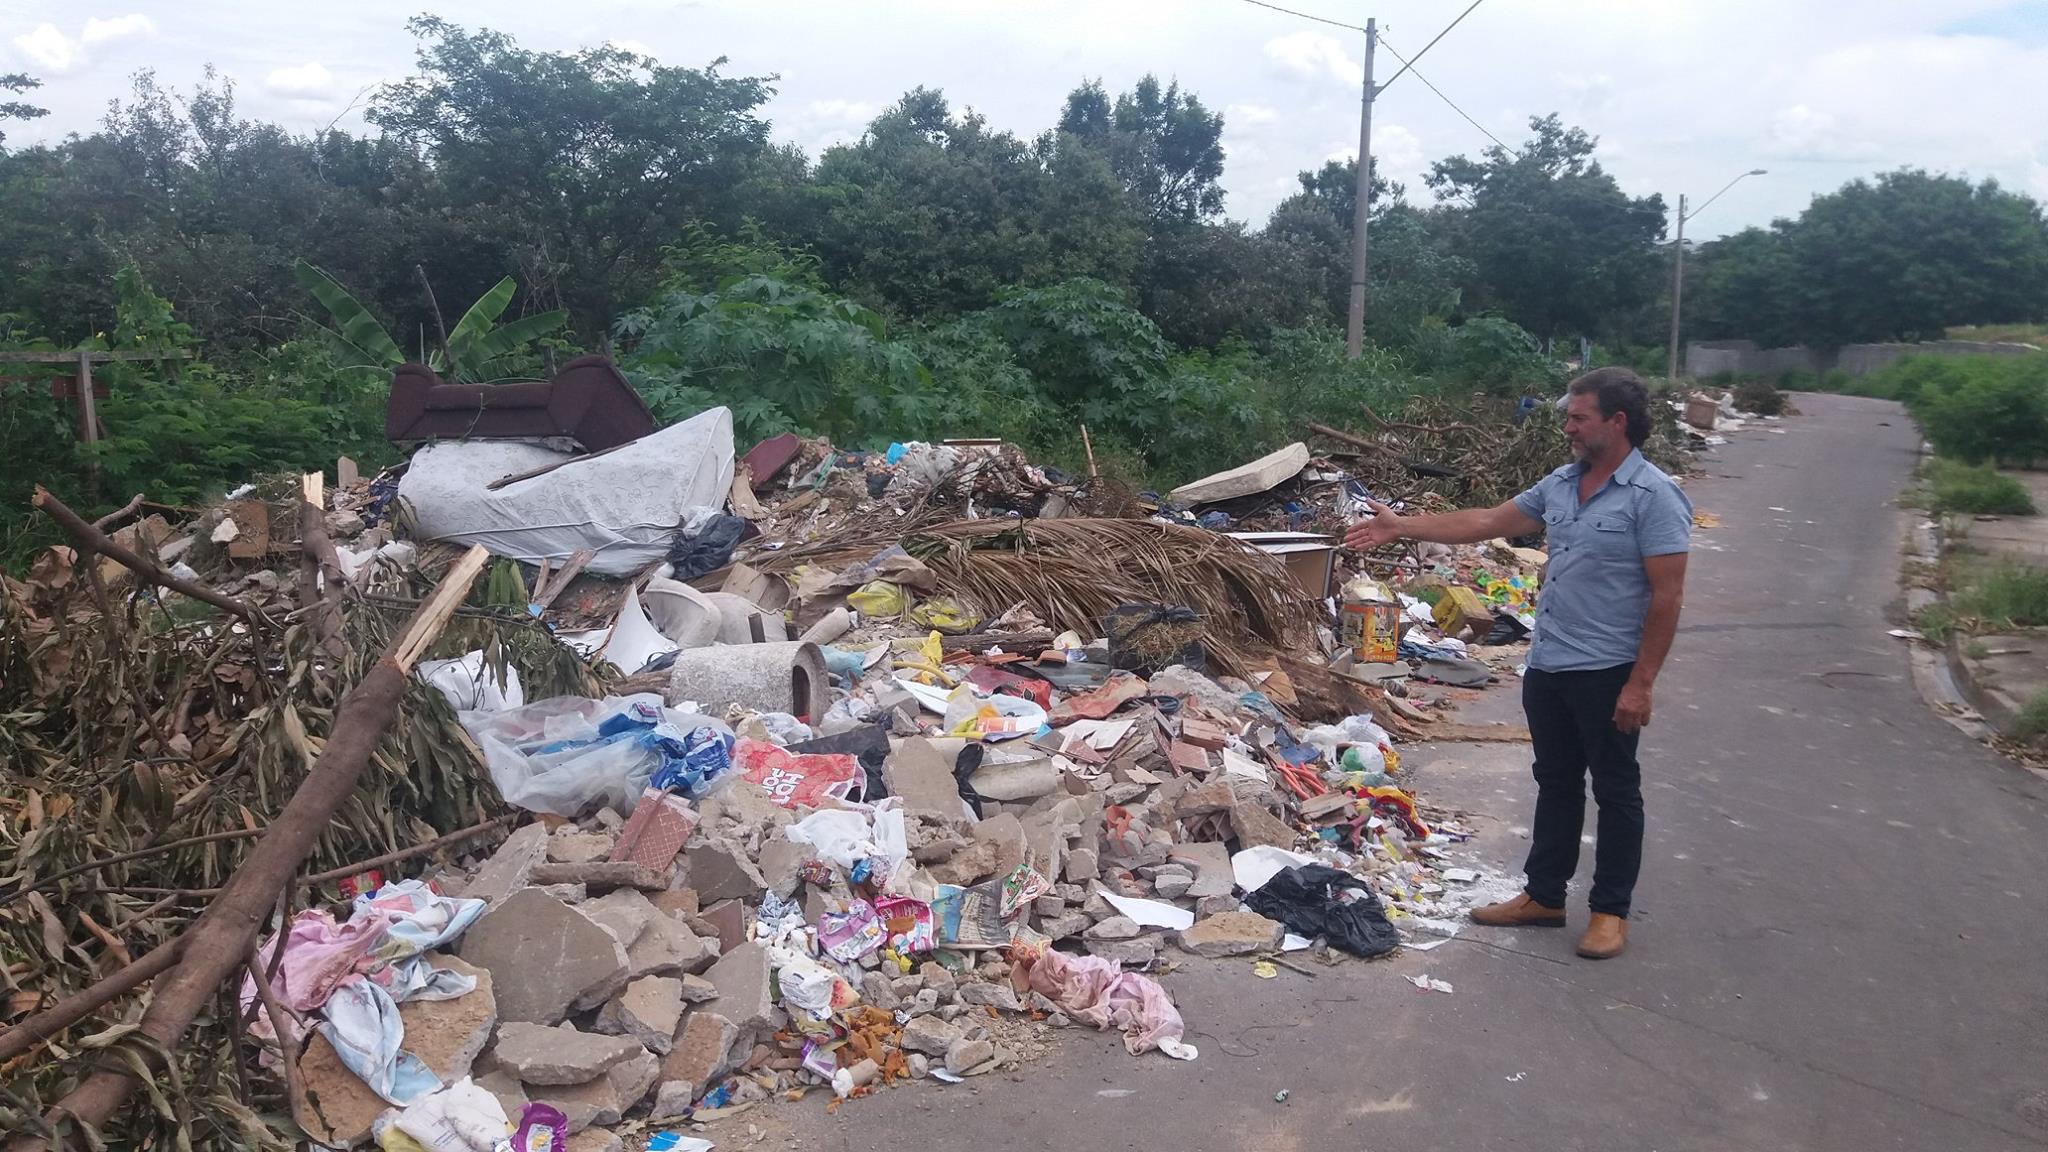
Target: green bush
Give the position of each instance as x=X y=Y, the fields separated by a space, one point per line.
x=2002 y=595
x=1980 y=410
x=1976 y=489
x=1759 y=396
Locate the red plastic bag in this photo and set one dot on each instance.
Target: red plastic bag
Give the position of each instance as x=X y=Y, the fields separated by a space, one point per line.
x=795 y=781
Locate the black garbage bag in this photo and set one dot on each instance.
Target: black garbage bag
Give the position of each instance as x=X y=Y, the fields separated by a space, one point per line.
x=1305 y=898
x=707 y=549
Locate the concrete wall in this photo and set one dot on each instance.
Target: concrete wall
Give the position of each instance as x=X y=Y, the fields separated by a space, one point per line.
x=1709 y=357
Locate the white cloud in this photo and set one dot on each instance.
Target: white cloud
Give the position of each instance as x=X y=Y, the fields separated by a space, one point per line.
x=842 y=111
x=1801 y=132
x=1592 y=92
x=1314 y=56
x=49 y=48
x=636 y=47
x=310 y=79
x=98 y=31
x=1237 y=115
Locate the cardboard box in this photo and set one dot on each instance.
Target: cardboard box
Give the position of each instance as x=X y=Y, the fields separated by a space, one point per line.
x=1310 y=558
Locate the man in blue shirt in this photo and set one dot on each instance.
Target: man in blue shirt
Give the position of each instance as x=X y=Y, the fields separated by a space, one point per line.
x=1618 y=530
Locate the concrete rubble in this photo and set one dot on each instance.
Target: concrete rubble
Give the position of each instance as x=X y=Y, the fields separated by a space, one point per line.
x=849 y=856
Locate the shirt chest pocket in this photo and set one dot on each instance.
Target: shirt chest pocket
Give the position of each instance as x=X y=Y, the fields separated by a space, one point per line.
x=1609 y=534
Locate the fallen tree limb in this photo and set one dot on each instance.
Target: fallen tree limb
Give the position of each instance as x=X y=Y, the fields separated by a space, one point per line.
x=218 y=943
x=1352 y=439
x=91 y=539
x=280 y=1023
x=118 y=514
x=320 y=579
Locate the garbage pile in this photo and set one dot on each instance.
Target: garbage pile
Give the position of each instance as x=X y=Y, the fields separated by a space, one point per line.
x=815 y=771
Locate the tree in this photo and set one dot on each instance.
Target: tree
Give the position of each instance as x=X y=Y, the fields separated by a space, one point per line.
x=934 y=213
x=584 y=162
x=1163 y=144
x=1554 y=241
x=19 y=109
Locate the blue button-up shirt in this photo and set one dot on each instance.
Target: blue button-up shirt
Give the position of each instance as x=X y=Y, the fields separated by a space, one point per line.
x=1595 y=594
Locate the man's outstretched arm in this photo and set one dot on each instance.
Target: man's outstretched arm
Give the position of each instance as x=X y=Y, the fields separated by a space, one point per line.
x=1465 y=526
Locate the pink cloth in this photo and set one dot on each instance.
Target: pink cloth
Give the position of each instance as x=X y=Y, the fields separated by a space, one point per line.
x=1097 y=992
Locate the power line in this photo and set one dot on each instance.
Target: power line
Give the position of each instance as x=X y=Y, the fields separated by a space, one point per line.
x=1306 y=16
x=1408 y=65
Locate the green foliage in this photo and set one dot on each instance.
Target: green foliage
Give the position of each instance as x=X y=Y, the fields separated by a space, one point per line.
x=479 y=348
x=1487 y=353
x=781 y=355
x=1558 y=247
x=1973 y=408
x=575 y=163
x=1763 y=397
x=1164 y=146
x=2031 y=722
x=19 y=109
x=1901 y=257
x=2002 y=595
x=1976 y=489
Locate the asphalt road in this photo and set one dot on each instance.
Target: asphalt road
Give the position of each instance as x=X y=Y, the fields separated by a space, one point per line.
x=1840 y=940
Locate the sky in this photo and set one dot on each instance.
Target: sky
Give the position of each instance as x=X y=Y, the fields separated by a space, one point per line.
x=1683 y=94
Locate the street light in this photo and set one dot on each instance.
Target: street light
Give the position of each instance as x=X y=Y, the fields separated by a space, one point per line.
x=1678 y=267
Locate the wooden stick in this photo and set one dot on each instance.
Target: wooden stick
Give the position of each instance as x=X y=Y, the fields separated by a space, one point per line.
x=427 y=848
x=1355 y=441
x=571 y=568
x=119 y=514
x=1089 y=448
x=320 y=579
x=123 y=858
x=218 y=943
x=23 y=1037
x=287 y=1048
x=91 y=539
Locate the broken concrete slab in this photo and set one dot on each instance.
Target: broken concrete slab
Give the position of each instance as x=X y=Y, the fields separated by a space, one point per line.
x=723 y=870
x=677 y=902
x=1260 y=475
x=446 y=1036
x=1256 y=826
x=625 y=913
x=1010 y=777
x=572 y=845
x=1136 y=952
x=510 y=866
x=649 y=1010
x=969 y=865
x=999 y=996
x=701 y=1054
x=544 y=957
x=604 y=1099
x=1232 y=934
x=1113 y=928
x=668 y=948
x=561 y=1055
x=742 y=979
x=728 y=920
x=1006 y=832
x=1082 y=865
x=698 y=990
x=1170 y=883
x=1211 y=862
x=920 y=771
x=782 y=863
x=601 y=875
x=876 y=991
x=964 y=1054
x=1061 y=927
x=929 y=1035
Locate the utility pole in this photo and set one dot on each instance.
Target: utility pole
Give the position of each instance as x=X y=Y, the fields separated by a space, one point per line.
x=1677 y=293
x=1354 y=332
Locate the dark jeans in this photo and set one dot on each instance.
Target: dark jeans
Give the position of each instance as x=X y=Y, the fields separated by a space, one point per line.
x=1571 y=723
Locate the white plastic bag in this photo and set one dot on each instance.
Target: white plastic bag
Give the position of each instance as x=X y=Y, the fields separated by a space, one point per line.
x=470 y=687
x=460 y=1118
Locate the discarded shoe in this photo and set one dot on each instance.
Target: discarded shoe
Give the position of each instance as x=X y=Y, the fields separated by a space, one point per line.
x=1605 y=937
x=1521 y=912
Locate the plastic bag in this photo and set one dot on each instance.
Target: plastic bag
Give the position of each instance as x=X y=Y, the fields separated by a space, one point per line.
x=847 y=936
x=568 y=754
x=707 y=548
x=879 y=599
x=977 y=717
x=943 y=614
x=468 y=685
x=1317 y=900
x=794 y=781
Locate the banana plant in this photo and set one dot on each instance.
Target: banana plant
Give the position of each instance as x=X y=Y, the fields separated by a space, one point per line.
x=478 y=346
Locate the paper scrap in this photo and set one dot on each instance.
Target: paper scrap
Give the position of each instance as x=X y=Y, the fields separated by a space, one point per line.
x=1429 y=983
x=1254 y=866
x=1246 y=767
x=1150 y=913
x=1461 y=875
x=1293 y=943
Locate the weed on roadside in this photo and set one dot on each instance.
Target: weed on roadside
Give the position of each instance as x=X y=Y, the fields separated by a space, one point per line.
x=1978 y=490
x=2004 y=594
x=2032 y=721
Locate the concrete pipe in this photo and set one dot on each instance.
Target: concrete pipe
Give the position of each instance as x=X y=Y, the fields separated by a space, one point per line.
x=787 y=677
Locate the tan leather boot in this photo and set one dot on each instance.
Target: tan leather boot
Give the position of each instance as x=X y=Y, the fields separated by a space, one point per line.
x=1605 y=937
x=1521 y=912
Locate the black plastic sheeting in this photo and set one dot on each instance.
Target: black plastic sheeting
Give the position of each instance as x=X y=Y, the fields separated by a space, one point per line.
x=708 y=549
x=1305 y=898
